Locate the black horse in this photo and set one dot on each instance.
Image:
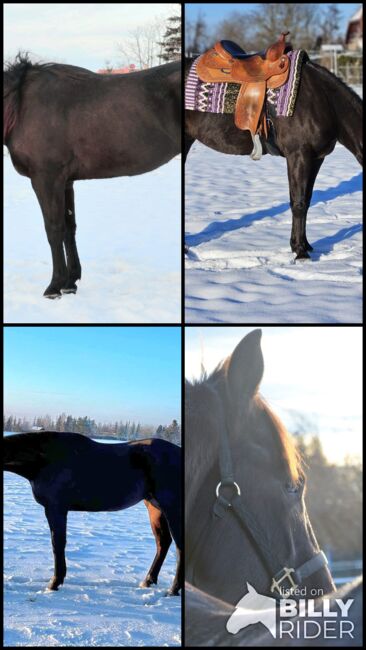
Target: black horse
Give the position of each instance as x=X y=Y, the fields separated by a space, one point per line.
x=327 y=111
x=246 y=518
x=63 y=123
x=68 y=471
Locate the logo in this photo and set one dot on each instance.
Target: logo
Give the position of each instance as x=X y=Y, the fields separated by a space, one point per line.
x=293 y=619
x=253 y=608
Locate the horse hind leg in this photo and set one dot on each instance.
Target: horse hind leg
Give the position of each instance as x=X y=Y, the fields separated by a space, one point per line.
x=163 y=539
x=178 y=578
x=172 y=512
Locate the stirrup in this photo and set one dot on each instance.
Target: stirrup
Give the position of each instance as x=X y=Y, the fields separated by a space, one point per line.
x=257 y=147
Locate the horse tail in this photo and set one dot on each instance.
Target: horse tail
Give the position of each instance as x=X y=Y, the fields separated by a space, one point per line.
x=14 y=76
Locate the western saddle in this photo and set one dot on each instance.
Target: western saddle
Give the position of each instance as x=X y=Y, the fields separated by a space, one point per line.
x=227 y=62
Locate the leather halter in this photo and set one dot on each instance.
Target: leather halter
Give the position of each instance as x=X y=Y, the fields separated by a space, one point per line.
x=286 y=578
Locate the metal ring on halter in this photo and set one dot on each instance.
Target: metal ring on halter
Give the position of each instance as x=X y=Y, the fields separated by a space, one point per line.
x=233 y=483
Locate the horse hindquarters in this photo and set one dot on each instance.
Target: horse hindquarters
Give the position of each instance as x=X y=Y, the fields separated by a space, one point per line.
x=167 y=493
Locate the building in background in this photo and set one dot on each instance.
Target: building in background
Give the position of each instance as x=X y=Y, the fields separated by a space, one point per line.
x=353 y=40
x=125 y=70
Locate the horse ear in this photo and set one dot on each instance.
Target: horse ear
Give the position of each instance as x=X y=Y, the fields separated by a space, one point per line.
x=245 y=366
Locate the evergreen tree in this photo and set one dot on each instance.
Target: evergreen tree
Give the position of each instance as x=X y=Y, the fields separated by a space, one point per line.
x=69 y=424
x=172 y=40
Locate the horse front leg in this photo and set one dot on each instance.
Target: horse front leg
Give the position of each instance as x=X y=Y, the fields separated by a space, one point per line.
x=57 y=523
x=163 y=539
x=302 y=170
x=50 y=191
x=72 y=257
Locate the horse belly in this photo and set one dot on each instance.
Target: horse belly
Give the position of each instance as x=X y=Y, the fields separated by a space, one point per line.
x=107 y=492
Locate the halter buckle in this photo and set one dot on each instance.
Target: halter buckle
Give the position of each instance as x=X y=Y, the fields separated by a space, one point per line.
x=284 y=574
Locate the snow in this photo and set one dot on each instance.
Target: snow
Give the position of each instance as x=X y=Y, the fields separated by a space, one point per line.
x=100 y=603
x=240 y=267
x=129 y=242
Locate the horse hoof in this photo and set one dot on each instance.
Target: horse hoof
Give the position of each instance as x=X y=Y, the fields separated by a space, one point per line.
x=146 y=583
x=302 y=256
x=70 y=289
x=54 y=295
x=172 y=593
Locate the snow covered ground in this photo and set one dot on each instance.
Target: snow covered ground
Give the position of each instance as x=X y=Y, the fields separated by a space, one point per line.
x=100 y=604
x=129 y=241
x=240 y=267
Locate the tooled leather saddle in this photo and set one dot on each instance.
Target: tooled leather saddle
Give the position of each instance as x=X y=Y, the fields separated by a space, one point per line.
x=227 y=62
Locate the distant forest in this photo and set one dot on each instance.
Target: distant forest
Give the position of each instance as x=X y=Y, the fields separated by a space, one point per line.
x=85 y=425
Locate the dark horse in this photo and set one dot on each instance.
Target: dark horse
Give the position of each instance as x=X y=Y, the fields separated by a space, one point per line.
x=327 y=111
x=63 y=123
x=68 y=471
x=246 y=519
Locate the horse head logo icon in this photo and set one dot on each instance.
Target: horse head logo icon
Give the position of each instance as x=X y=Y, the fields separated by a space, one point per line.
x=253 y=608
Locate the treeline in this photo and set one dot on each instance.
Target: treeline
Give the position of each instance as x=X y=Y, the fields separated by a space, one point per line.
x=89 y=427
x=311 y=25
x=334 y=500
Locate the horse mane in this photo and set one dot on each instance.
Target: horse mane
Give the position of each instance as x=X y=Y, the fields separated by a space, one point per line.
x=333 y=78
x=290 y=453
x=287 y=445
x=15 y=73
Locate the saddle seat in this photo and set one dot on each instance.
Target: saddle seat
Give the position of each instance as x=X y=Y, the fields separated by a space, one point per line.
x=226 y=62
x=272 y=53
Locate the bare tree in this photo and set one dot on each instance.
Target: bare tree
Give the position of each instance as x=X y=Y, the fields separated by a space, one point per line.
x=108 y=66
x=234 y=28
x=330 y=24
x=141 y=47
x=254 y=30
x=197 y=38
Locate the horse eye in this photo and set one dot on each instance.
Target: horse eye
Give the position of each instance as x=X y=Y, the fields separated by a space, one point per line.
x=291 y=487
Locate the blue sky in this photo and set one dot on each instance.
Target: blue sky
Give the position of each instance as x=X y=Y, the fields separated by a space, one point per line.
x=215 y=12
x=314 y=371
x=107 y=373
x=80 y=34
